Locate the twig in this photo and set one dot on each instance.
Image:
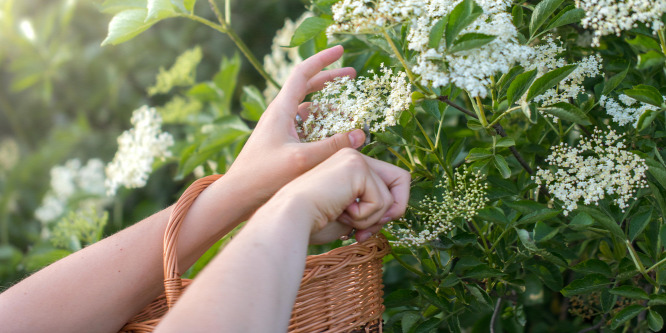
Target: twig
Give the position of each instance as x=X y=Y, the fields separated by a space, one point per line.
x=493 y=319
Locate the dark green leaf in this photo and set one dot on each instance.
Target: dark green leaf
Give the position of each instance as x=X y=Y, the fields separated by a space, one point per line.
x=519 y=86
x=428 y=325
x=492 y=214
x=505 y=142
x=607 y=301
x=431 y=296
x=655 y=321
x=539 y=215
x=658 y=299
x=482 y=272
x=527 y=240
x=449 y=281
x=400 y=297
x=657 y=170
x=541 y=12
x=507 y=78
x=437 y=32
x=432 y=108
x=586 y=285
x=549 y=80
x=127 y=25
x=614 y=81
x=470 y=41
x=591 y=266
x=625 y=315
x=638 y=223
x=480 y=295
x=409 y=320
x=567 y=112
x=525 y=206
x=645 y=94
x=502 y=166
x=517 y=15
x=581 y=221
x=543 y=232
x=646 y=119
x=629 y=292
x=309 y=29
x=478 y=153
x=566 y=16
x=604 y=220
x=461 y=16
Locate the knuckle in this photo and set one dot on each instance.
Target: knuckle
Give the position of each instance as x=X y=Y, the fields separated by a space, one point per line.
x=299 y=159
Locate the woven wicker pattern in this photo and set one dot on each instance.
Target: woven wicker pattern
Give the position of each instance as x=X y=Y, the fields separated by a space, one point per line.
x=341 y=290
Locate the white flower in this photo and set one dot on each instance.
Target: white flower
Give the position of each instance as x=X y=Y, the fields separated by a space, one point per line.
x=593 y=170
x=607 y=17
x=462 y=198
x=367 y=16
x=345 y=104
x=625 y=114
x=137 y=150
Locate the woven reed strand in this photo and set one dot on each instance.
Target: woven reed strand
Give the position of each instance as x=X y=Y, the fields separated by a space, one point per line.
x=341 y=290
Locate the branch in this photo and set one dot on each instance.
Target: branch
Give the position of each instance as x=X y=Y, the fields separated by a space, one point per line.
x=493 y=319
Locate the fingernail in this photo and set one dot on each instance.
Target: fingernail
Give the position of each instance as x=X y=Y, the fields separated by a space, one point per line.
x=356 y=138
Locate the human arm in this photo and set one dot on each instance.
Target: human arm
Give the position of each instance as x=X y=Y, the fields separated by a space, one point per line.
x=112 y=280
x=252 y=284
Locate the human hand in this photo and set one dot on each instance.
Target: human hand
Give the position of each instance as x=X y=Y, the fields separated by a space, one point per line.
x=274 y=155
x=328 y=193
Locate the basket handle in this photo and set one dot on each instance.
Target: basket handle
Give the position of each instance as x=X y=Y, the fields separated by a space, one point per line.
x=173 y=286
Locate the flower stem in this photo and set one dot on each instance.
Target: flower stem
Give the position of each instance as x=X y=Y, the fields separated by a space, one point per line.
x=480 y=112
x=655 y=265
x=639 y=264
x=402 y=60
x=401 y=158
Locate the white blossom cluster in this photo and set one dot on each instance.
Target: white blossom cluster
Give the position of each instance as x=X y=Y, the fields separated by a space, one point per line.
x=368 y=16
x=73 y=185
x=137 y=150
x=468 y=69
x=345 y=104
x=545 y=58
x=607 y=17
x=592 y=171
x=627 y=112
x=281 y=61
x=462 y=199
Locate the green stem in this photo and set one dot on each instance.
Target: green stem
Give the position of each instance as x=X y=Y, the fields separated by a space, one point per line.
x=498 y=239
x=401 y=158
x=483 y=238
x=639 y=264
x=406 y=265
x=655 y=265
x=502 y=115
x=402 y=60
x=662 y=39
x=480 y=113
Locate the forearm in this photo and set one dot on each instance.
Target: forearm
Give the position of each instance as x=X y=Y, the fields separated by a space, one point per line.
x=251 y=286
x=112 y=280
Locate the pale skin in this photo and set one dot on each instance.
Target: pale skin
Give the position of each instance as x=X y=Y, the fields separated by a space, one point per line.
x=100 y=287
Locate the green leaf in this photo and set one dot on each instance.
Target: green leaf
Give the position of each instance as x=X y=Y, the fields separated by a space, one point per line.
x=502 y=166
x=470 y=41
x=541 y=12
x=117 y=6
x=409 y=320
x=189 y=5
x=431 y=296
x=226 y=80
x=592 y=266
x=657 y=299
x=428 y=325
x=480 y=295
x=650 y=59
x=604 y=220
x=492 y=214
x=527 y=240
x=614 y=81
x=567 y=112
x=567 y=16
x=586 y=285
x=461 y=16
x=549 y=80
x=309 y=29
x=645 y=94
x=253 y=103
x=478 y=153
x=629 y=292
x=517 y=15
x=655 y=321
x=482 y=272
x=646 y=119
x=625 y=315
x=437 y=32
x=581 y=221
x=540 y=215
x=432 y=108
x=518 y=87
x=505 y=142
x=543 y=232
x=400 y=297
x=506 y=79
x=127 y=25
x=657 y=170
x=638 y=223
x=159 y=9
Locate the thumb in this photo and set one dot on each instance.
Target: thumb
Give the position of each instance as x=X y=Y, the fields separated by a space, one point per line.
x=321 y=150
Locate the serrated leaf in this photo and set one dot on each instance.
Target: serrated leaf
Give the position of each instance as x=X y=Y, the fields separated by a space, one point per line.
x=625 y=315
x=159 y=9
x=659 y=299
x=638 y=223
x=566 y=16
x=541 y=12
x=437 y=32
x=502 y=166
x=645 y=94
x=567 y=112
x=482 y=272
x=549 y=80
x=127 y=25
x=614 y=81
x=476 y=154
x=470 y=41
x=586 y=285
x=593 y=266
x=629 y=292
x=309 y=29
x=519 y=86
x=507 y=78
x=460 y=17
x=655 y=321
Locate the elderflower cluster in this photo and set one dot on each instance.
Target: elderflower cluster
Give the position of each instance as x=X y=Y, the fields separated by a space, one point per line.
x=345 y=104
x=368 y=16
x=73 y=185
x=545 y=59
x=137 y=150
x=461 y=199
x=623 y=113
x=182 y=73
x=282 y=59
x=593 y=170
x=607 y=17
x=468 y=69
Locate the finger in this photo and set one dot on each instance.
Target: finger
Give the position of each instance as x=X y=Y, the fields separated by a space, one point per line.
x=317 y=82
x=365 y=234
x=373 y=203
x=294 y=90
x=304 y=110
x=319 y=151
x=398 y=182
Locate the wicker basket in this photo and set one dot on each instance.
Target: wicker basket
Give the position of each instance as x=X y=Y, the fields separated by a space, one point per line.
x=341 y=290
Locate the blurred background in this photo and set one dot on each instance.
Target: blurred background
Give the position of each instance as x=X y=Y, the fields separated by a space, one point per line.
x=64 y=99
